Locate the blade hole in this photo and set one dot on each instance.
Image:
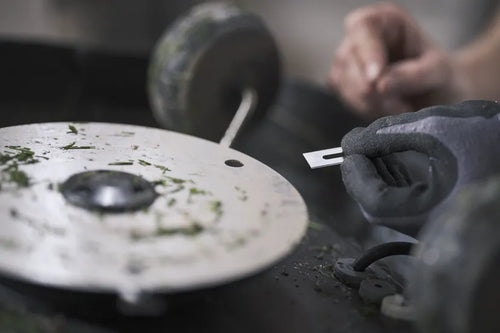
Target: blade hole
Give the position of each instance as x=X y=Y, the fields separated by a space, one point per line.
x=234 y=163
x=329 y=156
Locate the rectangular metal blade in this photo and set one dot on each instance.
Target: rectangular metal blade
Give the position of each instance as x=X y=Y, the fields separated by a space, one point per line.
x=324 y=158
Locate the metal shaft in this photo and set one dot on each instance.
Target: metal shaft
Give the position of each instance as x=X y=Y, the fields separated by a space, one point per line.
x=246 y=108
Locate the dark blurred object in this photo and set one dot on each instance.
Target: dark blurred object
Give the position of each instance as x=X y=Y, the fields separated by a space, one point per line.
x=455 y=284
x=120 y=26
x=41 y=83
x=205 y=63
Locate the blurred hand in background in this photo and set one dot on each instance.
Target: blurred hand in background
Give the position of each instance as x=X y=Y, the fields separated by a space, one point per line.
x=387 y=65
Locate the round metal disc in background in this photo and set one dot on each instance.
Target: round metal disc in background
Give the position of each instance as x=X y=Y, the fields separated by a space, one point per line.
x=203 y=64
x=218 y=216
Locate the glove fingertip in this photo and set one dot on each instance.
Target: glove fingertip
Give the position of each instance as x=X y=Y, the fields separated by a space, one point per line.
x=352 y=142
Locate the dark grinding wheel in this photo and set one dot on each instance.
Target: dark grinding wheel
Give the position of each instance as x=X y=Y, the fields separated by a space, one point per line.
x=455 y=283
x=204 y=62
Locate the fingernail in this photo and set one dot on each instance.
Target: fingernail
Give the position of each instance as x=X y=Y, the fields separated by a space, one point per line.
x=372 y=71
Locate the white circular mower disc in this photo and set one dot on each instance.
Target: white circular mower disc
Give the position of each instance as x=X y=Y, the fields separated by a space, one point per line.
x=219 y=215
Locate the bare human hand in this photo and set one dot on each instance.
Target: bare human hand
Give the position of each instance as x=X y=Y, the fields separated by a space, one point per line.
x=387 y=65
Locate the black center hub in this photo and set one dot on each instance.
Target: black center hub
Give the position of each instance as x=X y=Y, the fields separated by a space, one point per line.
x=108 y=191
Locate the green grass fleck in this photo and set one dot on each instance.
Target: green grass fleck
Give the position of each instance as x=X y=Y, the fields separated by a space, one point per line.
x=72 y=130
x=178 y=189
x=74 y=146
x=122 y=163
x=159 y=182
x=19 y=177
x=315 y=226
x=23 y=155
x=191 y=230
x=124 y=134
x=243 y=196
x=162 y=168
x=196 y=191
x=216 y=207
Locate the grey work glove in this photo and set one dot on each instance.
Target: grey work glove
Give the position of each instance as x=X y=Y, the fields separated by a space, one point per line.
x=459 y=144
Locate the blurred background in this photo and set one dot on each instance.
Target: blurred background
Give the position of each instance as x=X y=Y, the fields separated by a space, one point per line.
x=307 y=31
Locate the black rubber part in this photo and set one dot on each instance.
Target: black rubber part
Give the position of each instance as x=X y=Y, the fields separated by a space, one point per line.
x=345 y=273
x=352 y=272
x=381 y=251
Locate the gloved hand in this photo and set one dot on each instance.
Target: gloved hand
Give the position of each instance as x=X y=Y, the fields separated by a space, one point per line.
x=460 y=144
